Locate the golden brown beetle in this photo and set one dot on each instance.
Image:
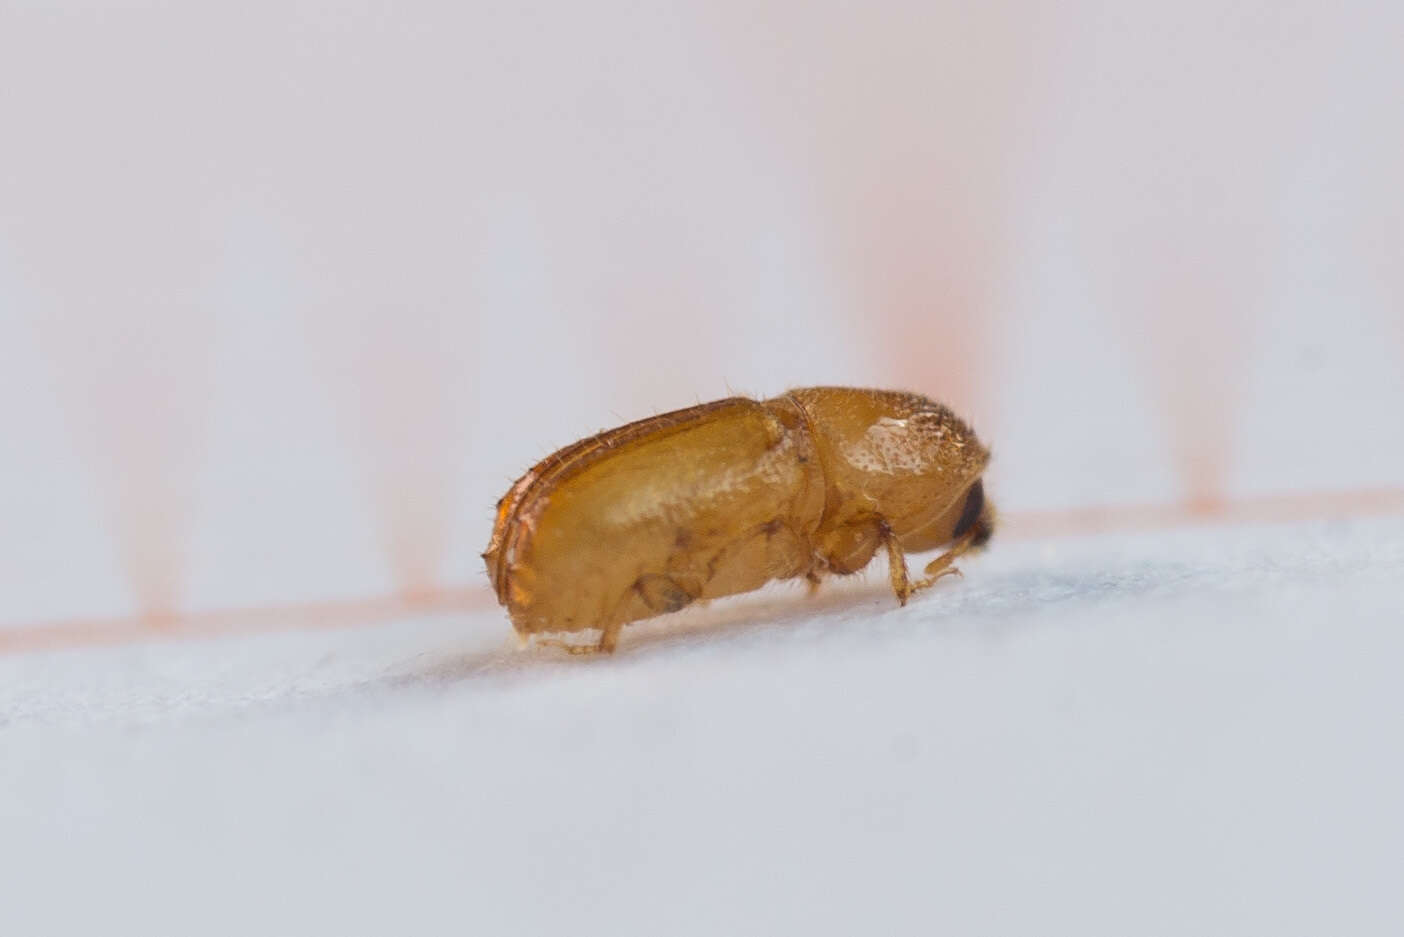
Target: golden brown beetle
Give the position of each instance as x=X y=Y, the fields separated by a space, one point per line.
x=721 y=498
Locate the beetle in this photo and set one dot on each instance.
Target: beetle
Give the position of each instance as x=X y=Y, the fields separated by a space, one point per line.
x=721 y=498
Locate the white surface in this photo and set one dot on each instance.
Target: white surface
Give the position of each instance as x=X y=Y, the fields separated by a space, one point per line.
x=1168 y=733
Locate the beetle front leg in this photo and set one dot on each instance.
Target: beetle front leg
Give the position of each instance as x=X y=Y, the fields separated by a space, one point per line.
x=936 y=570
x=896 y=565
x=941 y=567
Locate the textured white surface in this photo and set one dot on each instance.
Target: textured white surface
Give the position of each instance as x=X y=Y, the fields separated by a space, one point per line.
x=1186 y=732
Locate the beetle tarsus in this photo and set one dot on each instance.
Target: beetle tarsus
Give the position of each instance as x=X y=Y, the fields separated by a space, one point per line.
x=941 y=567
x=929 y=581
x=609 y=639
x=566 y=646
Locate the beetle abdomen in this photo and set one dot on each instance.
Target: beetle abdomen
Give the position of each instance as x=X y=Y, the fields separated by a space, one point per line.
x=642 y=520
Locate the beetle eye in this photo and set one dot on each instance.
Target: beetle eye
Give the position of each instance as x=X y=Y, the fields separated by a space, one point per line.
x=974 y=504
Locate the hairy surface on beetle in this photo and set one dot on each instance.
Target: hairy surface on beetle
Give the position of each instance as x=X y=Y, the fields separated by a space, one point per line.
x=723 y=497
x=895 y=446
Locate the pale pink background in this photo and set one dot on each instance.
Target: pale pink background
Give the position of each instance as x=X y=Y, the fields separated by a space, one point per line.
x=290 y=291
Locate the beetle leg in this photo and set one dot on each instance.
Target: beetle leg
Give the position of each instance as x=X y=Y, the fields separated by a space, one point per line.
x=941 y=567
x=609 y=639
x=896 y=564
x=814 y=582
x=567 y=646
x=936 y=570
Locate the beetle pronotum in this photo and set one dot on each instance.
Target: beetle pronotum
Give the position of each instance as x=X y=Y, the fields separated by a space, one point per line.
x=723 y=497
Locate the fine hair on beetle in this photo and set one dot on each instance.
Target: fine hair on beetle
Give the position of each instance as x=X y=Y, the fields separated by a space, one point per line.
x=720 y=498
